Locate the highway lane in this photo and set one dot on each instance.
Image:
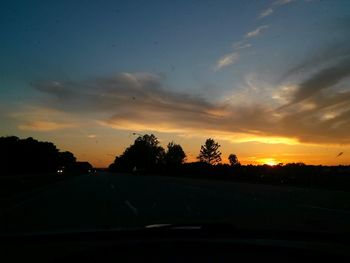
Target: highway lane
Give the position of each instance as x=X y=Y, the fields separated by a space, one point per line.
x=109 y=201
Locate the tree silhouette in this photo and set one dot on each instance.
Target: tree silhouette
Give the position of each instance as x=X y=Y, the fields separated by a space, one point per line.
x=67 y=159
x=175 y=155
x=233 y=159
x=145 y=154
x=31 y=156
x=209 y=152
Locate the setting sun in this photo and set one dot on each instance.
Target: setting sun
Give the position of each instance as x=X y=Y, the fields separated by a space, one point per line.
x=269 y=161
x=235 y=82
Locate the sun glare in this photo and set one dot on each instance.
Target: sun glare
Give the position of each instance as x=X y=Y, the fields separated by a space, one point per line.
x=269 y=161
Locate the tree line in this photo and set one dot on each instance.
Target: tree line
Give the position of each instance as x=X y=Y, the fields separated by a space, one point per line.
x=26 y=156
x=146 y=156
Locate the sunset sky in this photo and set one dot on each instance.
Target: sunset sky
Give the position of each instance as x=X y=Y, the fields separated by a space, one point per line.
x=269 y=80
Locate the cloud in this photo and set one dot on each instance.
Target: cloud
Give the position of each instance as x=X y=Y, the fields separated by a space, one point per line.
x=325 y=69
x=43 y=126
x=227 y=60
x=42 y=119
x=317 y=110
x=322 y=80
x=270 y=10
x=266 y=12
x=241 y=45
x=142 y=102
x=121 y=93
x=282 y=2
x=322 y=58
x=256 y=32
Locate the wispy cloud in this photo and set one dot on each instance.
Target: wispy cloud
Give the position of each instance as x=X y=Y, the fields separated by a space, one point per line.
x=322 y=80
x=241 y=45
x=227 y=60
x=42 y=119
x=43 y=126
x=142 y=102
x=257 y=31
x=233 y=57
x=282 y=2
x=271 y=9
x=266 y=12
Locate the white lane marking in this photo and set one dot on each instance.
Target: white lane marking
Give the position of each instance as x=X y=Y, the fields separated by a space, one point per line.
x=112 y=186
x=131 y=207
x=327 y=209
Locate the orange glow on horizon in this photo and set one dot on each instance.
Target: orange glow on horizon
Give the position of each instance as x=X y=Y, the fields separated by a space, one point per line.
x=269 y=161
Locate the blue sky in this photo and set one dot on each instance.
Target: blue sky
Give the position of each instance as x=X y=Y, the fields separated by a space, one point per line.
x=182 y=40
x=241 y=53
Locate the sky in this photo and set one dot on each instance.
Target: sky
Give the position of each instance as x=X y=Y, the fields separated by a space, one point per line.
x=269 y=80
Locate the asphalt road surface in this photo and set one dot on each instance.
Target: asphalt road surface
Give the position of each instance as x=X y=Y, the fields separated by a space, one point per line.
x=109 y=201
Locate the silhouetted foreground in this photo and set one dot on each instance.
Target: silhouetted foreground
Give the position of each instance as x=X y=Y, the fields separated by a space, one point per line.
x=293 y=174
x=29 y=156
x=28 y=164
x=145 y=156
x=296 y=174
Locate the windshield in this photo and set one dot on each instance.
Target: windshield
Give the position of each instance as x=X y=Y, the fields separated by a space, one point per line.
x=125 y=114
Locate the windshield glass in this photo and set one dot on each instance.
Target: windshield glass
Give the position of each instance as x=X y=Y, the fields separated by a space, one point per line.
x=124 y=114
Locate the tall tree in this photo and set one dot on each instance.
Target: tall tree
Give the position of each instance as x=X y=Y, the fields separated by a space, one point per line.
x=145 y=153
x=209 y=152
x=233 y=159
x=175 y=155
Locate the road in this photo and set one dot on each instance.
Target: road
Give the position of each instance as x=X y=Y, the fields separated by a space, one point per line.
x=108 y=201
